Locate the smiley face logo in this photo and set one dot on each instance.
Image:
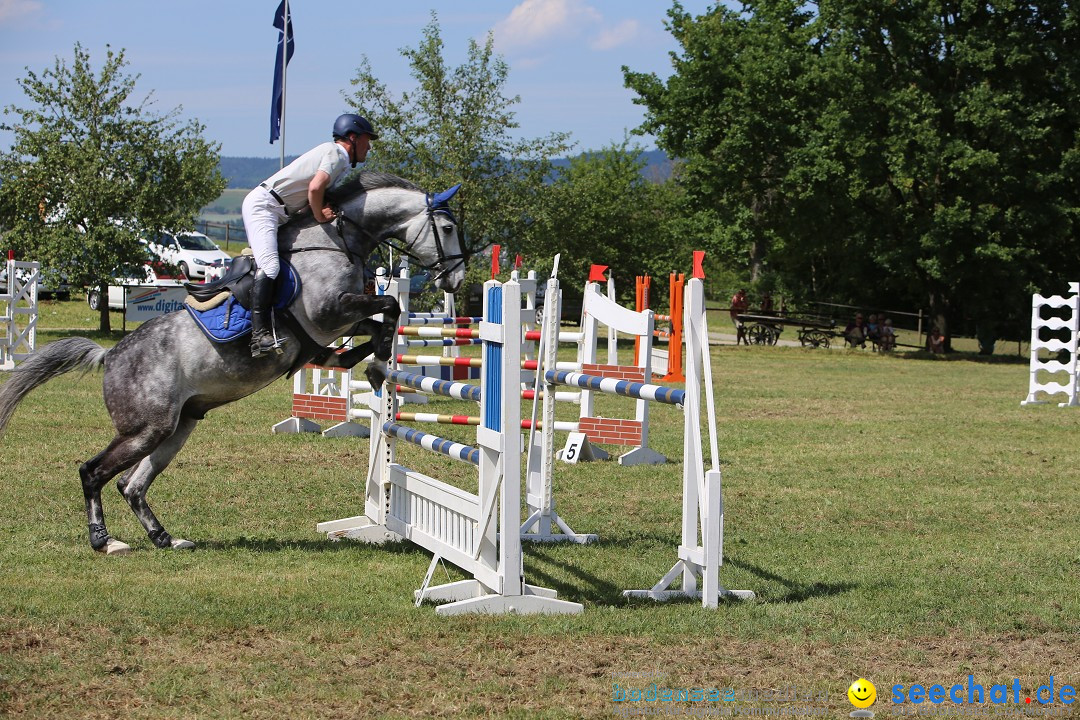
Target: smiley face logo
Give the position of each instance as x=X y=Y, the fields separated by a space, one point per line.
x=862 y=693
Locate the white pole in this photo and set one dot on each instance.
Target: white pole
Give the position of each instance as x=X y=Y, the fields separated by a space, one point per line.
x=284 y=64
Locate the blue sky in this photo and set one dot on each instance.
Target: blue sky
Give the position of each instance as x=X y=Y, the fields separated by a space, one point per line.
x=215 y=59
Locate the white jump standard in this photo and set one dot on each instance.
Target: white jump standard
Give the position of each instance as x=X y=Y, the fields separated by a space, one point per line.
x=544 y=524
x=19 y=314
x=700 y=553
x=1042 y=371
x=466 y=529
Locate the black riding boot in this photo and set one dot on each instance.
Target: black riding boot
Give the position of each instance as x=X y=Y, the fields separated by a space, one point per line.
x=263 y=339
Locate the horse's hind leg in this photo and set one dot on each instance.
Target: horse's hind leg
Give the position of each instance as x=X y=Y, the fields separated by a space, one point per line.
x=122 y=453
x=135 y=483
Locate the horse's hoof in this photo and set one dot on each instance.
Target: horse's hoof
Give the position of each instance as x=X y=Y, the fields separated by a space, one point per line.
x=375 y=372
x=115 y=547
x=181 y=544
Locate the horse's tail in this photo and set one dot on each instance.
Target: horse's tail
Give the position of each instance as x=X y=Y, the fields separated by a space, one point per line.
x=52 y=360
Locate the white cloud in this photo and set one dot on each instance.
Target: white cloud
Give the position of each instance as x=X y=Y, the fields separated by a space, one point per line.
x=544 y=23
x=14 y=9
x=613 y=37
x=533 y=22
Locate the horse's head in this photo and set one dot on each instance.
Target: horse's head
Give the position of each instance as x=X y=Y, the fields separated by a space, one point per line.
x=417 y=224
x=434 y=232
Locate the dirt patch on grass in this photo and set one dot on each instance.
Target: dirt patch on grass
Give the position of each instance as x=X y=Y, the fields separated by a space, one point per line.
x=471 y=669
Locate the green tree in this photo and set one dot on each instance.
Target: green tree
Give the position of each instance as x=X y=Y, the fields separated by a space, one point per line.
x=91 y=168
x=733 y=110
x=909 y=152
x=601 y=209
x=964 y=154
x=455 y=127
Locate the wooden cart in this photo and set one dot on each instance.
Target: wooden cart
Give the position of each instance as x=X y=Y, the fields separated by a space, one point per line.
x=766 y=329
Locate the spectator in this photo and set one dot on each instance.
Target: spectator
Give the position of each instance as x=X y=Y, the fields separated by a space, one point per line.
x=855 y=332
x=739 y=305
x=888 y=336
x=935 y=341
x=767 y=304
x=873 y=329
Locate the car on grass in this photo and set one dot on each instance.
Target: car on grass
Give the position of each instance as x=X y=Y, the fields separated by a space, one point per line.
x=59 y=292
x=191 y=252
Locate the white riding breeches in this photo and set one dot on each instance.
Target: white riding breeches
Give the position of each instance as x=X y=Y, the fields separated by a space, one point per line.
x=263 y=215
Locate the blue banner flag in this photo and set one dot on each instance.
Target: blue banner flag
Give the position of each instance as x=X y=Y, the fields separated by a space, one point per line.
x=283 y=22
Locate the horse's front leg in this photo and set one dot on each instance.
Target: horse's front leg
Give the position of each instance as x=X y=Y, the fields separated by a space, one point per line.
x=381 y=343
x=349 y=358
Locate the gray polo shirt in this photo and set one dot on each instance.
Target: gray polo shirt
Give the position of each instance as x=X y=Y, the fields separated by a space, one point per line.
x=291 y=182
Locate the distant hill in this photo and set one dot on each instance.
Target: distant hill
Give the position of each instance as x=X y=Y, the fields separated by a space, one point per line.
x=657 y=165
x=247 y=172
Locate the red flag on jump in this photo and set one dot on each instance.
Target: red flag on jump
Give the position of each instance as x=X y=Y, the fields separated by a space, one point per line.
x=699 y=258
x=596 y=273
x=495 y=250
x=517 y=262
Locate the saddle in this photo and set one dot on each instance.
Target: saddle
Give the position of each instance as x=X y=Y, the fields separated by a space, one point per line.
x=238 y=281
x=222 y=308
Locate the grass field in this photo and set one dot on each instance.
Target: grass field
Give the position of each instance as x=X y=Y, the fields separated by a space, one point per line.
x=226 y=207
x=901 y=518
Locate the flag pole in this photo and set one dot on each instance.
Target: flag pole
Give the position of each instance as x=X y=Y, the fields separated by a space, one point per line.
x=284 y=65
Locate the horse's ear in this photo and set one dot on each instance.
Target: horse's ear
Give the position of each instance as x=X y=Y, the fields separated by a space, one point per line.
x=444 y=197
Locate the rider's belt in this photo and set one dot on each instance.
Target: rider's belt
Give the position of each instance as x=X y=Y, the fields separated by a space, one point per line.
x=275 y=196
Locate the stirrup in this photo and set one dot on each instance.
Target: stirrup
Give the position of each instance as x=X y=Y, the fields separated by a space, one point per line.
x=266 y=344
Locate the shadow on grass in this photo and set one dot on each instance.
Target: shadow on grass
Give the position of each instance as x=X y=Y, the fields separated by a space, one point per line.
x=956 y=356
x=587 y=586
x=316 y=545
x=796 y=591
x=547 y=568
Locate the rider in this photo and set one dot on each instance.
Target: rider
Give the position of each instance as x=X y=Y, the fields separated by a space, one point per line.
x=300 y=184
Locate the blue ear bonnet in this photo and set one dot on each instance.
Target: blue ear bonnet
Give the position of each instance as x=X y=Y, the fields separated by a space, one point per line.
x=444 y=197
x=439 y=202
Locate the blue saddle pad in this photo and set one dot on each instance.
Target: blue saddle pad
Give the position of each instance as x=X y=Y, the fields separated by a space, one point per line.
x=231 y=320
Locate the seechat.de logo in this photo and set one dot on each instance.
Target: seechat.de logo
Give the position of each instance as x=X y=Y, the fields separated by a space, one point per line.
x=973 y=692
x=862 y=695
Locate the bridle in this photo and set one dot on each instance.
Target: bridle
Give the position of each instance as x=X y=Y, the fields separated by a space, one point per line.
x=434 y=207
x=438 y=208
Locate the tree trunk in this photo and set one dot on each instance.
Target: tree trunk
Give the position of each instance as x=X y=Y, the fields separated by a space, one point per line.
x=759 y=245
x=103 y=308
x=757 y=260
x=940 y=311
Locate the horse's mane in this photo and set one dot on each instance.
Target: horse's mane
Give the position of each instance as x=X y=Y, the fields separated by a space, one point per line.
x=365 y=181
x=358 y=182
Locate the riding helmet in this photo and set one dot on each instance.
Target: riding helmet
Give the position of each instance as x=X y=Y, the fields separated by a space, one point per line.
x=349 y=122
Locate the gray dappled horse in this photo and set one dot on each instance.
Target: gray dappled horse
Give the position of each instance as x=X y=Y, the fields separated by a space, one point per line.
x=165 y=376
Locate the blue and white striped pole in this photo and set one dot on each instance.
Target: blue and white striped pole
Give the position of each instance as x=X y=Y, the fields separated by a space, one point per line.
x=613 y=386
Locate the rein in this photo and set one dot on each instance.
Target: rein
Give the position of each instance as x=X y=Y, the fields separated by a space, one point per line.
x=432 y=210
x=319 y=352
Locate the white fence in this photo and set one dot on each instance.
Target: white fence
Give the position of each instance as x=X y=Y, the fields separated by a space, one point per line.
x=19 y=305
